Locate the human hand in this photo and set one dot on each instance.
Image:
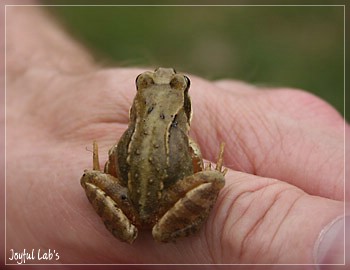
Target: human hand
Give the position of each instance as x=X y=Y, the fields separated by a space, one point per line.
x=284 y=148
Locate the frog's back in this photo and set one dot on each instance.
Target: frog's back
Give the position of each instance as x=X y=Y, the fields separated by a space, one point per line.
x=158 y=151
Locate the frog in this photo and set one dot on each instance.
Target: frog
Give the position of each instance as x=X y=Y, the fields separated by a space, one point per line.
x=155 y=178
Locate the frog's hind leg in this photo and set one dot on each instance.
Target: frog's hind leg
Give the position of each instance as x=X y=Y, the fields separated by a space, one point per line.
x=110 y=201
x=187 y=204
x=189 y=212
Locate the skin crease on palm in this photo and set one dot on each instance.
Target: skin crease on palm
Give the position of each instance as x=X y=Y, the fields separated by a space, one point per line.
x=284 y=150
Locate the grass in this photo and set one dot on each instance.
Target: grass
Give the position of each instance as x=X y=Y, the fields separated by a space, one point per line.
x=292 y=46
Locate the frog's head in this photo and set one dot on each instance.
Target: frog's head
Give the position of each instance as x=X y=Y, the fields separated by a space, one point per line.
x=162 y=76
x=169 y=80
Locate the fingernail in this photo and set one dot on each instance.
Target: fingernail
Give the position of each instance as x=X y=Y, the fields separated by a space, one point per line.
x=329 y=247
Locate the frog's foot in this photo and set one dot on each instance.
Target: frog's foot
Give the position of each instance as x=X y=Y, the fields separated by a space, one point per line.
x=110 y=201
x=190 y=201
x=218 y=166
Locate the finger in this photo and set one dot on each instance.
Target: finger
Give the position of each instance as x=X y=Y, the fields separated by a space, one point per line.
x=267 y=221
x=284 y=134
x=237 y=87
x=86 y=106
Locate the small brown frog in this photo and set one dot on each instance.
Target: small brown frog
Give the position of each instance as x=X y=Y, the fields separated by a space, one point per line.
x=154 y=177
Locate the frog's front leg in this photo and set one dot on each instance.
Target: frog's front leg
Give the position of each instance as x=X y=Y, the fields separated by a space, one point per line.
x=189 y=202
x=110 y=201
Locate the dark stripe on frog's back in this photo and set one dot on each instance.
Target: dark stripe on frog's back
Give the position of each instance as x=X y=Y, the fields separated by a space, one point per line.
x=149 y=168
x=180 y=162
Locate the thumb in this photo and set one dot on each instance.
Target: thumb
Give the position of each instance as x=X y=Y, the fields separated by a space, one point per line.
x=264 y=220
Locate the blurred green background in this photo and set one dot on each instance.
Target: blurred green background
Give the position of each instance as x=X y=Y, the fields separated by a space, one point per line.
x=293 y=46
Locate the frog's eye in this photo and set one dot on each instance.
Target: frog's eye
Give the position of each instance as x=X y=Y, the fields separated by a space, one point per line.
x=143 y=81
x=180 y=82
